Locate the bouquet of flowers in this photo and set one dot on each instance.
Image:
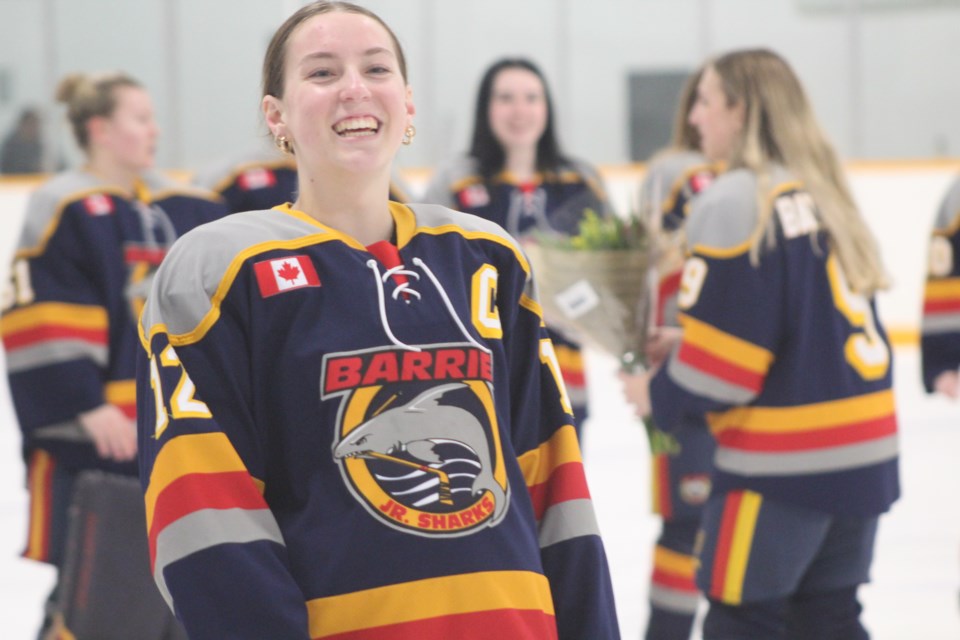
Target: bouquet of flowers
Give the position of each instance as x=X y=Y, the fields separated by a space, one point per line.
x=599 y=286
x=596 y=285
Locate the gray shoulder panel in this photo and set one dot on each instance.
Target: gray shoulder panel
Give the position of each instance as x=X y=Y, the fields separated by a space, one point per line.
x=663 y=172
x=725 y=215
x=949 y=210
x=46 y=202
x=433 y=215
x=447 y=175
x=212 y=176
x=184 y=287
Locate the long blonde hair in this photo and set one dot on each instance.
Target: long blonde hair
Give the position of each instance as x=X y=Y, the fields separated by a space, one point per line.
x=781 y=129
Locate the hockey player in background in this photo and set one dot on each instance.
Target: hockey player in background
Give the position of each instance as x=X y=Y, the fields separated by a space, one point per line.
x=681 y=458
x=783 y=354
x=351 y=419
x=92 y=240
x=940 y=326
x=516 y=175
x=263 y=178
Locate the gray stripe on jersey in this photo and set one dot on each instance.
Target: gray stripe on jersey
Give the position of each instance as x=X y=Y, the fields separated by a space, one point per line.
x=853 y=456
x=702 y=384
x=209 y=528
x=568 y=520
x=54 y=352
x=941 y=323
x=196 y=265
x=674 y=600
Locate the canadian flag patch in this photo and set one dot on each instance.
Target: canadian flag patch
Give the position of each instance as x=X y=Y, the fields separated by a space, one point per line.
x=257 y=178
x=475 y=195
x=98 y=204
x=285 y=274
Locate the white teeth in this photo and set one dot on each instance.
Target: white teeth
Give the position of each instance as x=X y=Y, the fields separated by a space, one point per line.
x=365 y=123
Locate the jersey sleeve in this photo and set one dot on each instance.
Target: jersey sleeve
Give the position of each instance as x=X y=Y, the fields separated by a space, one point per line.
x=216 y=550
x=940 y=323
x=56 y=319
x=546 y=443
x=731 y=312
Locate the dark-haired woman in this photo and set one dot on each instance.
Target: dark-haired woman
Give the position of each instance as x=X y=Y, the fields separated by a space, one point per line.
x=516 y=175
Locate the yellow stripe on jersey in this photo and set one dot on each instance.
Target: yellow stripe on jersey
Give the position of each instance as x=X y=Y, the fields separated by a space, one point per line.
x=945 y=289
x=561 y=448
x=76 y=316
x=191 y=454
x=744 y=528
x=724 y=345
x=429 y=598
x=121 y=392
x=673 y=562
x=808 y=417
x=570 y=359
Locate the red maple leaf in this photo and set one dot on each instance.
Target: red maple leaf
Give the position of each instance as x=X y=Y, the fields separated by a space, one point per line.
x=288 y=271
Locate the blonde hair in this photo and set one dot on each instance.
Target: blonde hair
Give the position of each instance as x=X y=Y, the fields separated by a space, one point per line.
x=685 y=135
x=781 y=129
x=90 y=96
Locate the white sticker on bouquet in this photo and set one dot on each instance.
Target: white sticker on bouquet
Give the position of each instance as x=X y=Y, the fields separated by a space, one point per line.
x=577 y=299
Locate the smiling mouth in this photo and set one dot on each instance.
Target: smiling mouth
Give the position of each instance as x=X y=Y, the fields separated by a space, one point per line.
x=357 y=127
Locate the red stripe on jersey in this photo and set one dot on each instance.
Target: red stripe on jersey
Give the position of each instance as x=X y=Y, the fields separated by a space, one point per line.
x=567 y=482
x=143 y=254
x=197 y=491
x=52 y=333
x=661 y=485
x=129 y=409
x=573 y=377
x=721 y=555
x=669 y=580
x=516 y=624
x=669 y=286
x=941 y=306
x=716 y=367
x=855 y=433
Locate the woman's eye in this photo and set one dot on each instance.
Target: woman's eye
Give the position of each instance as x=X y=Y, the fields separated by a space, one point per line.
x=379 y=69
x=321 y=73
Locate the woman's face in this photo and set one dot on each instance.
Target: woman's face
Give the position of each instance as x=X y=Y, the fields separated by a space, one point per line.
x=345 y=103
x=129 y=135
x=518 y=109
x=718 y=123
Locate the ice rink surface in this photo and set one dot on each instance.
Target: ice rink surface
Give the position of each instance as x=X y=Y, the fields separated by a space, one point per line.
x=916 y=574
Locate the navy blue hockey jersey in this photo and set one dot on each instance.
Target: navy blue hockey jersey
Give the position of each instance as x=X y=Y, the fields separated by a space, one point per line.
x=84 y=264
x=348 y=442
x=940 y=324
x=791 y=368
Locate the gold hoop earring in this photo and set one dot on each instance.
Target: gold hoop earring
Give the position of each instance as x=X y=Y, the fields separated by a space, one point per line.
x=408 y=134
x=283 y=143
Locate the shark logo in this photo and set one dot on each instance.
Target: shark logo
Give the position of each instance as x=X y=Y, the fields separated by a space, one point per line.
x=423 y=457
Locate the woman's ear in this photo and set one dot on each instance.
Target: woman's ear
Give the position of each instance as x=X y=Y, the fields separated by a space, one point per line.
x=273 y=115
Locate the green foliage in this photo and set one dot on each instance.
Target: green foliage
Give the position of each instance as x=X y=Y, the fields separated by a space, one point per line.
x=613 y=232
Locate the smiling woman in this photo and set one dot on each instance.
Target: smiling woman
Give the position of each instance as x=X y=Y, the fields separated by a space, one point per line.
x=341 y=379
